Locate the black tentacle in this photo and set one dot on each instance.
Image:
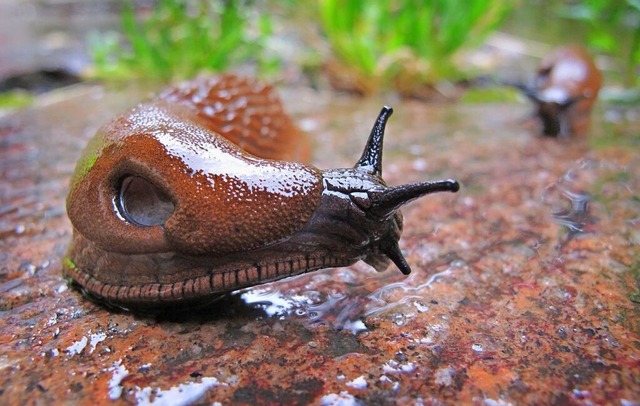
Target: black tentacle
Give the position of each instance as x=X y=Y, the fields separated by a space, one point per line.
x=371 y=159
x=392 y=250
x=386 y=201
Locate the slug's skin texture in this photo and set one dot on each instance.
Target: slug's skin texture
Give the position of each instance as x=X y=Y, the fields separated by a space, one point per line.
x=566 y=87
x=168 y=210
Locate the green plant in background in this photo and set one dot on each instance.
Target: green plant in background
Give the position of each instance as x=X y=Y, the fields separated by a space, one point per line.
x=614 y=28
x=15 y=100
x=405 y=43
x=181 y=38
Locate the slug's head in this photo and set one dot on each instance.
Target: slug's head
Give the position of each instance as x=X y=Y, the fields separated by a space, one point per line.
x=553 y=116
x=365 y=208
x=552 y=107
x=565 y=88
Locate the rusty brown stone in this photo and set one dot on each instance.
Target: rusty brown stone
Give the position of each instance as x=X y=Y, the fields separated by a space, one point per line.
x=504 y=303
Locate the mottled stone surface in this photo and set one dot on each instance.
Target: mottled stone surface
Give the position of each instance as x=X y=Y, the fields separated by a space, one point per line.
x=525 y=284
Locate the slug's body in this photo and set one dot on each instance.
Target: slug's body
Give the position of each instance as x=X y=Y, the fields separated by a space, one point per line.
x=171 y=204
x=566 y=87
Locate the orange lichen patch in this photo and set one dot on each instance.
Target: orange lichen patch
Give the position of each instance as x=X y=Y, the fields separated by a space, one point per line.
x=623 y=254
x=609 y=291
x=490 y=381
x=590 y=243
x=524 y=300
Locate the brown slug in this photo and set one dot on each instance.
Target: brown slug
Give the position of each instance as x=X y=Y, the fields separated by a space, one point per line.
x=188 y=197
x=565 y=89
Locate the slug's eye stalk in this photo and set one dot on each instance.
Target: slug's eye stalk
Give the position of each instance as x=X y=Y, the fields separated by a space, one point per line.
x=383 y=203
x=386 y=201
x=530 y=93
x=371 y=160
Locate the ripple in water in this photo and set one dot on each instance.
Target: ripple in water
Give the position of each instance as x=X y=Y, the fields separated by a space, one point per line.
x=349 y=300
x=591 y=191
x=576 y=215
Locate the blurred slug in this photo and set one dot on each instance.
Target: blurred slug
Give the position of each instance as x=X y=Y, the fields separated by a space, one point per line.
x=565 y=89
x=189 y=196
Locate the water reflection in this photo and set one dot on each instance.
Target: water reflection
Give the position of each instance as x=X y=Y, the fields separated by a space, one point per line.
x=276 y=303
x=588 y=193
x=576 y=216
x=341 y=311
x=348 y=300
x=391 y=296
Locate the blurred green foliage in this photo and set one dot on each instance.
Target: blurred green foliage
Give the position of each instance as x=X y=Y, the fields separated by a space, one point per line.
x=15 y=100
x=406 y=43
x=179 y=39
x=614 y=28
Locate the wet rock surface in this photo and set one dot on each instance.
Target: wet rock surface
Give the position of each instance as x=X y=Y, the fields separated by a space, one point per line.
x=524 y=287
